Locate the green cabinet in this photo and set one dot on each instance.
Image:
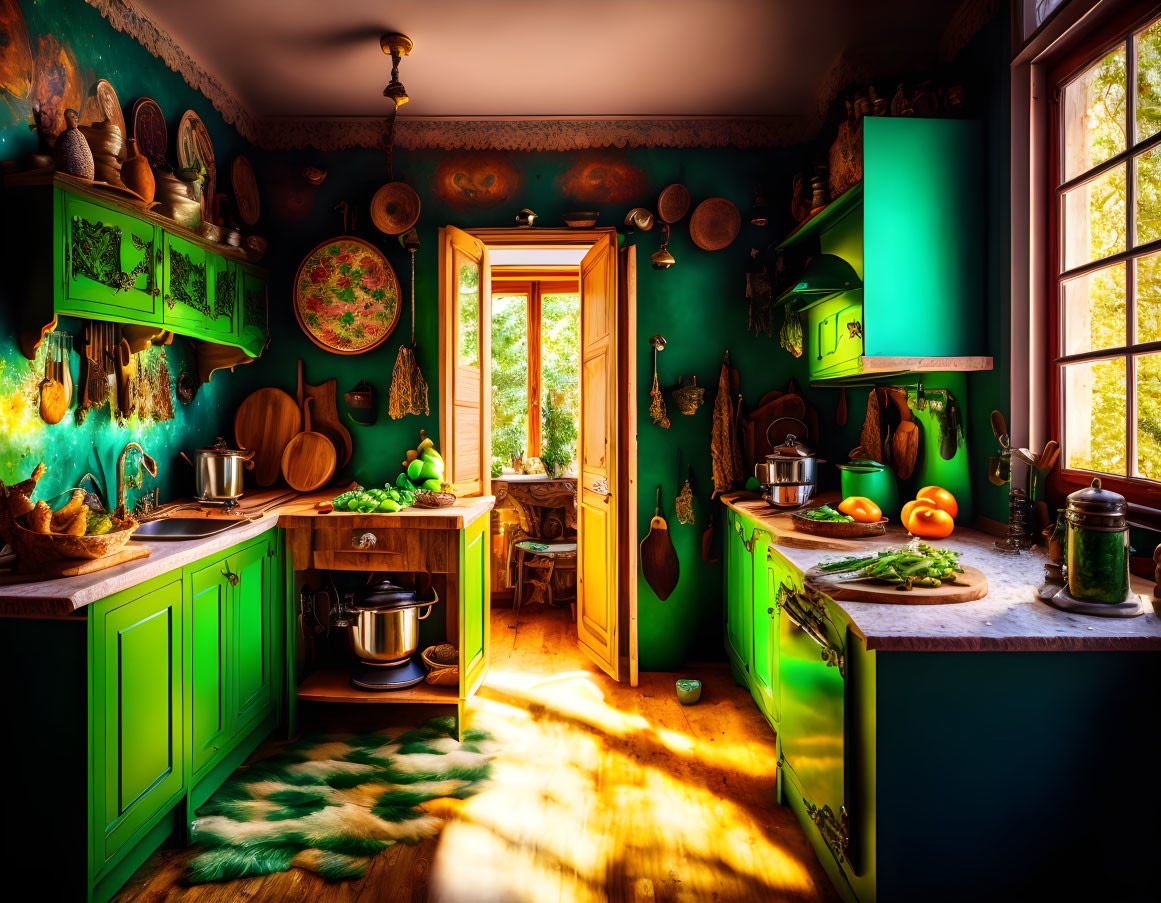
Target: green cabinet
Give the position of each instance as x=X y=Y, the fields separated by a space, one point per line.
x=207 y=690
x=252 y=634
x=475 y=609
x=198 y=291
x=253 y=328
x=108 y=262
x=136 y=682
x=769 y=575
x=739 y=555
x=913 y=232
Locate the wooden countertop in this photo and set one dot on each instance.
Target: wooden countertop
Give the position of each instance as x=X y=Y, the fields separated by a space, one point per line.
x=1008 y=618
x=266 y=508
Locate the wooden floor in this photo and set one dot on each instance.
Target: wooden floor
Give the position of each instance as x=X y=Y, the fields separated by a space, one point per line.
x=602 y=792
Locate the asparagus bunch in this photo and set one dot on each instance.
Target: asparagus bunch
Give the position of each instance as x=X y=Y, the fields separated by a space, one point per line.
x=906 y=568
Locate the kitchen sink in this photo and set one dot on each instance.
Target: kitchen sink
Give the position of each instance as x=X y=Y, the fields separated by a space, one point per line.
x=166 y=529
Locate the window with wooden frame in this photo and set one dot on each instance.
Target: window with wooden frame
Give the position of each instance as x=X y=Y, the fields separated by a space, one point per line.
x=535 y=352
x=1106 y=267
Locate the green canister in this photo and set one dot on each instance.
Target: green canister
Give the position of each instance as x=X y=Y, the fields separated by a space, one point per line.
x=871 y=480
x=1097 y=554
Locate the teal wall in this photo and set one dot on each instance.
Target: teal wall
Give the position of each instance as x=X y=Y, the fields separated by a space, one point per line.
x=69 y=450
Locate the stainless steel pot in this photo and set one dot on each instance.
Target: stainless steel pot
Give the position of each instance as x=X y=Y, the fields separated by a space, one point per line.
x=386 y=634
x=218 y=471
x=789 y=472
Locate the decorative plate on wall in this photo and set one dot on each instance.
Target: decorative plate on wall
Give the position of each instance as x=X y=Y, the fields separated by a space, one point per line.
x=245 y=190
x=149 y=130
x=346 y=296
x=194 y=147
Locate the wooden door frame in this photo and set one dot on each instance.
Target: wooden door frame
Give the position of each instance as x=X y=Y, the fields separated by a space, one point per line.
x=523 y=238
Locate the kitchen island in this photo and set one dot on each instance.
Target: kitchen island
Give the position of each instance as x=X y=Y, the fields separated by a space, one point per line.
x=947 y=751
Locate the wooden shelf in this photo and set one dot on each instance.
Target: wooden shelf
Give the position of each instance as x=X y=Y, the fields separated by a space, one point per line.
x=334 y=685
x=826 y=217
x=872 y=369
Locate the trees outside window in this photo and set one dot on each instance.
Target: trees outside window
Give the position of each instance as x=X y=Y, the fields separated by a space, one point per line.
x=1107 y=225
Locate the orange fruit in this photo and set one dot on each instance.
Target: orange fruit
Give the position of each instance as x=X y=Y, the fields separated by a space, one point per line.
x=940 y=498
x=862 y=509
x=929 y=522
x=905 y=514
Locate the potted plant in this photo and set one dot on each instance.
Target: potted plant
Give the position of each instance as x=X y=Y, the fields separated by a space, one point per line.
x=560 y=435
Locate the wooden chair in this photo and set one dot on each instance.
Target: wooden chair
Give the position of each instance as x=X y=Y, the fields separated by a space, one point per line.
x=537 y=564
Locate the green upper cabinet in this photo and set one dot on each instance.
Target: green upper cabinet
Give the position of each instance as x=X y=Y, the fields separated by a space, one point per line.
x=913 y=233
x=136 y=692
x=199 y=290
x=252 y=323
x=108 y=263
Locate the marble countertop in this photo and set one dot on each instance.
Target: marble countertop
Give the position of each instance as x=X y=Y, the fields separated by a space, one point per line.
x=65 y=596
x=1008 y=618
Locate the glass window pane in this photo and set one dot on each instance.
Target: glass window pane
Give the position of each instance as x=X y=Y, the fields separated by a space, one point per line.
x=1094 y=219
x=1148 y=196
x=509 y=377
x=1094 y=310
x=560 y=375
x=1148 y=81
x=1094 y=416
x=1147 y=298
x=469 y=314
x=1093 y=114
x=1148 y=380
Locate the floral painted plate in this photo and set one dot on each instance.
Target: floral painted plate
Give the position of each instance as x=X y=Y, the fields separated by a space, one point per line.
x=346 y=296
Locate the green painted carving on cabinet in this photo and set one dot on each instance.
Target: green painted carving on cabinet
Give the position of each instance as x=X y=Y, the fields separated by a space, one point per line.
x=109 y=270
x=184 y=282
x=136 y=638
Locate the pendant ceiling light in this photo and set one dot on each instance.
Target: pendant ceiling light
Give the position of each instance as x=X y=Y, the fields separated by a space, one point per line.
x=398 y=46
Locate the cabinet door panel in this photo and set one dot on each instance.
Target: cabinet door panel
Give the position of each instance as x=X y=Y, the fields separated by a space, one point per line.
x=186 y=285
x=765 y=673
x=739 y=592
x=252 y=318
x=474 y=606
x=110 y=264
x=251 y=632
x=210 y=717
x=138 y=694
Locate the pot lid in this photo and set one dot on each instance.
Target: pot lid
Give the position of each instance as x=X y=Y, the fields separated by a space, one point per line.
x=219 y=448
x=386 y=594
x=867 y=466
x=790 y=447
x=1095 y=500
x=823 y=276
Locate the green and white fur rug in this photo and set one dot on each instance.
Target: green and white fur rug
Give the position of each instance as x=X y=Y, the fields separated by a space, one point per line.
x=330 y=804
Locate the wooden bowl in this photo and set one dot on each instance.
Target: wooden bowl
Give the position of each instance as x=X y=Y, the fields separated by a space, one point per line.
x=672 y=203
x=395 y=208
x=838 y=529
x=714 y=224
x=434 y=499
x=581 y=219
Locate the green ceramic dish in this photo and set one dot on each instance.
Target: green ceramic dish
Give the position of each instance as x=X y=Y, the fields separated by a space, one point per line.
x=688 y=690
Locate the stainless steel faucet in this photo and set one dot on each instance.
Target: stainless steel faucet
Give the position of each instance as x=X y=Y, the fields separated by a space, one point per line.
x=150 y=467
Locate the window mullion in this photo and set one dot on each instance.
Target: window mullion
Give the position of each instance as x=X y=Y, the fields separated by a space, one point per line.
x=534 y=369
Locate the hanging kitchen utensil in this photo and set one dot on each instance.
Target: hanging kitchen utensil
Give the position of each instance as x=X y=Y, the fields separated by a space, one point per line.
x=266 y=422
x=395 y=206
x=245 y=190
x=687 y=398
x=638 y=220
x=683 y=505
x=723 y=435
x=871 y=438
x=56 y=388
x=672 y=203
x=715 y=224
x=661 y=258
x=905 y=449
x=407 y=393
x=659 y=561
x=840 y=413
x=96 y=372
x=361 y=403
x=346 y=296
x=309 y=459
x=125 y=366
x=709 y=540
x=656 y=403
x=187 y=385
x=326 y=414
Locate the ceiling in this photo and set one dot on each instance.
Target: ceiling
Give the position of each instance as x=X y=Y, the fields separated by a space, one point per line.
x=527 y=58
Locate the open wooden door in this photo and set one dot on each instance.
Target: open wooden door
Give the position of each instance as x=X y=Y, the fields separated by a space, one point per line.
x=465 y=353
x=606 y=576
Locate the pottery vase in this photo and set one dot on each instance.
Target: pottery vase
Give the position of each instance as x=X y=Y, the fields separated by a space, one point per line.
x=136 y=174
x=71 y=153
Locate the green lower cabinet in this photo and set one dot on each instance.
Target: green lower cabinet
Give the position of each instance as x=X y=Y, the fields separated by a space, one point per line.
x=768 y=575
x=136 y=681
x=208 y=698
x=739 y=554
x=252 y=632
x=475 y=606
x=107 y=262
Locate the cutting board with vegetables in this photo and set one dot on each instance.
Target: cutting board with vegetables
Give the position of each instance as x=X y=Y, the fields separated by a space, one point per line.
x=325 y=415
x=974 y=586
x=266 y=422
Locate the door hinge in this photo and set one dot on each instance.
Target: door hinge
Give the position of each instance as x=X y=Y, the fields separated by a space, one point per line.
x=835 y=830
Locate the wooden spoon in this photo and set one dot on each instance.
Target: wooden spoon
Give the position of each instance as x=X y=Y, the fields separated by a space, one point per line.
x=658 y=557
x=309 y=459
x=905 y=449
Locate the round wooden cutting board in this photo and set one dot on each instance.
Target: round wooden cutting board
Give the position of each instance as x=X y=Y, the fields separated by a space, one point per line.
x=975 y=587
x=266 y=422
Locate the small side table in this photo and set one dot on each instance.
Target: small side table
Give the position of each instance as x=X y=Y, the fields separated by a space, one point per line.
x=541 y=560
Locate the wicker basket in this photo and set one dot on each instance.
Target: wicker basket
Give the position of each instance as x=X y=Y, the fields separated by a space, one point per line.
x=434 y=499
x=34 y=550
x=687 y=399
x=443 y=664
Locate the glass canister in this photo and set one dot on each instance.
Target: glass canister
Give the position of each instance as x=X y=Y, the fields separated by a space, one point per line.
x=1097 y=553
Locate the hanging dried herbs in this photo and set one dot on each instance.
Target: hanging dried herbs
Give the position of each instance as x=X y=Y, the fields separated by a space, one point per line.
x=790 y=335
x=408 y=391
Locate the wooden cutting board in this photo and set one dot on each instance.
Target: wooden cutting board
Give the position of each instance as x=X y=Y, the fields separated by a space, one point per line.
x=976 y=587
x=266 y=422
x=308 y=460
x=324 y=414
x=78 y=567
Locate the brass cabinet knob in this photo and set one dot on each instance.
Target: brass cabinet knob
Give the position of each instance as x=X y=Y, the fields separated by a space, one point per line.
x=366 y=541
